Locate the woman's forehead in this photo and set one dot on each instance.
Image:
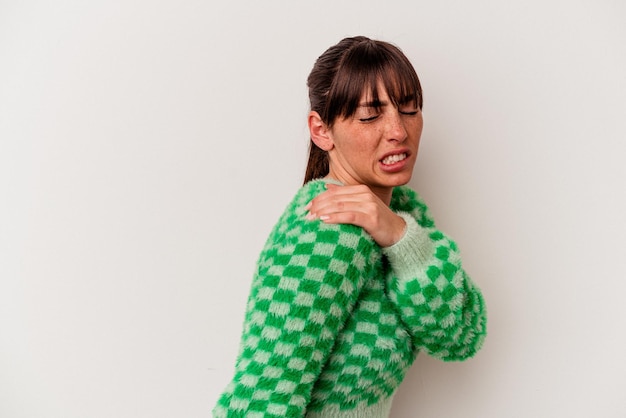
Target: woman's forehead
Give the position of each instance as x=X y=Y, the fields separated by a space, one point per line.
x=378 y=91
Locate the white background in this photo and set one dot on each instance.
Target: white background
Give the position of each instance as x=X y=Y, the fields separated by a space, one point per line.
x=147 y=148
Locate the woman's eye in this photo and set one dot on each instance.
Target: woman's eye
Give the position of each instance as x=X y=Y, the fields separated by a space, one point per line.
x=368 y=119
x=409 y=112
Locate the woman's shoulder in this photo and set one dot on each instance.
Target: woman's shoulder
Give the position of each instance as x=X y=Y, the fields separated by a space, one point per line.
x=293 y=221
x=296 y=207
x=305 y=194
x=405 y=199
x=310 y=190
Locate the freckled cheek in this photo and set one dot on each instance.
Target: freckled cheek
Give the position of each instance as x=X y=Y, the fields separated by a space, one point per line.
x=416 y=125
x=364 y=139
x=416 y=134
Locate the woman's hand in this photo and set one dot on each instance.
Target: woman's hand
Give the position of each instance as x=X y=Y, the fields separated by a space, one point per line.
x=358 y=205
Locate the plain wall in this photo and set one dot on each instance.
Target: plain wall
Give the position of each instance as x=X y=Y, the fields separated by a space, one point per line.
x=147 y=148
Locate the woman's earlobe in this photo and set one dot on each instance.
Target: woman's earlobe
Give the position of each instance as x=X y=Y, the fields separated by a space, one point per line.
x=320 y=132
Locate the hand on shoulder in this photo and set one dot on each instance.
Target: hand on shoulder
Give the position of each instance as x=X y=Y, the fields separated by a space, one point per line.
x=358 y=205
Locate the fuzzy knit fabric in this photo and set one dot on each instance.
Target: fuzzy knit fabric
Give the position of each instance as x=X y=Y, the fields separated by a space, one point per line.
x=334 y=321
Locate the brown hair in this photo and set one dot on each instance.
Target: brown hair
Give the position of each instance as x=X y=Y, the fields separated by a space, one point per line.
x=343 y=73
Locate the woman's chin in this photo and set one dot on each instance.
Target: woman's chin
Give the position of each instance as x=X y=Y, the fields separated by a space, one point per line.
x=398 y=179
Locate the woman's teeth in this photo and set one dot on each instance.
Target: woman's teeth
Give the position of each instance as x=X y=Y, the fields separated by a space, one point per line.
x=394 y=158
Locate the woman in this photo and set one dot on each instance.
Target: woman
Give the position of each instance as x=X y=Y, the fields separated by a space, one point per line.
x=354 y=279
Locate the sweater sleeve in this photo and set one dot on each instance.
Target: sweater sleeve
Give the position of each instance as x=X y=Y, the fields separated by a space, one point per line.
x=308 y=278
x=443 y=309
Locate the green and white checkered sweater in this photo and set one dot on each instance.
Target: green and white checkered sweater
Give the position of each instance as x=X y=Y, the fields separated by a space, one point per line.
x=334 y=321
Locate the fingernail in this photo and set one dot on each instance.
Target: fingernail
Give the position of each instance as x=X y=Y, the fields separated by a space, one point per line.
x=324 y=217
x=309 y=216
x=308 y=205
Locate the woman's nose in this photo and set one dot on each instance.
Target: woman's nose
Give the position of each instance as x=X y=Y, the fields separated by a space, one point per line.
x=395 y=127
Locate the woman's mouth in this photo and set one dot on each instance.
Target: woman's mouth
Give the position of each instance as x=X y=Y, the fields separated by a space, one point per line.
x=392 y=159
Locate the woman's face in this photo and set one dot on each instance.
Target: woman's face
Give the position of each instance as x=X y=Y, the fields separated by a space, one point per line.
x=378 y=145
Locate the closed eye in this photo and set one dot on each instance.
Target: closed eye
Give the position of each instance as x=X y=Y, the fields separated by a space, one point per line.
x=368 y=119
x=409 y=113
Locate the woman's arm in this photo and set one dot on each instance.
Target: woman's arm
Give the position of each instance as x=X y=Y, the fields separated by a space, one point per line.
x=308 y=279
x=440 y=305
x=443 y=309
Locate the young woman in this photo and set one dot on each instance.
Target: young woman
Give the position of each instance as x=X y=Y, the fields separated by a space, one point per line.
x=354 y=279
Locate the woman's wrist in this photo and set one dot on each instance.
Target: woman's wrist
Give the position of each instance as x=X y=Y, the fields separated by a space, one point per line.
x=413 y=248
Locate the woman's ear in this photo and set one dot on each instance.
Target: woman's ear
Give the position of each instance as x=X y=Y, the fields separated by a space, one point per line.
x=320 y=133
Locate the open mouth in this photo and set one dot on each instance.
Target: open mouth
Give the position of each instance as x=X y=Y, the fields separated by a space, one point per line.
x=392 y=159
